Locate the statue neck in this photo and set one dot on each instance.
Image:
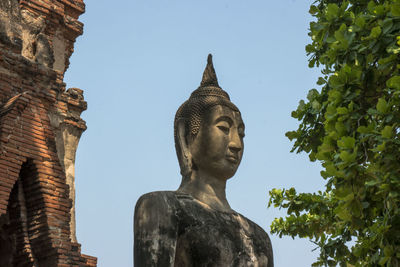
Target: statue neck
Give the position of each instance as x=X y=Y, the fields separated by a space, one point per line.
x=207 y=189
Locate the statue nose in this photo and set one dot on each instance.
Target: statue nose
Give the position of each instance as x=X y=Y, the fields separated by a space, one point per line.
x=235 y=144
x=235 y=149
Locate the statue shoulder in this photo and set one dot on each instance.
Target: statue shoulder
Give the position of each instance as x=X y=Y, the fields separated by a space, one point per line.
x=156 y=201
x=155 y=211
x=155 y=229
x=262 y=238
x=156 y=196
x=255 y=227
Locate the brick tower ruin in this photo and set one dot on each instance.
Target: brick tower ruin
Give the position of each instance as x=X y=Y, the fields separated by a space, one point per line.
x=40 y=127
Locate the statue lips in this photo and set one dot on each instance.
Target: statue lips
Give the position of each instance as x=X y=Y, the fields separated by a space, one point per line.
x=232 y=158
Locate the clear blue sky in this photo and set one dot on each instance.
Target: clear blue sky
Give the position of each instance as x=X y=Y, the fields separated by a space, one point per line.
x=138 y=61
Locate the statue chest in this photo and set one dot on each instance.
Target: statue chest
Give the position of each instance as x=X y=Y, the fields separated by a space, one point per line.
x=212 y=238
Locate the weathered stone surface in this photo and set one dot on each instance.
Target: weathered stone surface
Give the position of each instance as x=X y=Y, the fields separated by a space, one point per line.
x=175 y=229
x=67 y=137
x=195 y=226
x=40 y=127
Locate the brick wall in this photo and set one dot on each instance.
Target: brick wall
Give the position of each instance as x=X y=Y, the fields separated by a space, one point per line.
x=40 y=127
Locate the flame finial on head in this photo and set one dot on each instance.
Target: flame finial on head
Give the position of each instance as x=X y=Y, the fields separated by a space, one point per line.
x=209 y=84
x=209 y=76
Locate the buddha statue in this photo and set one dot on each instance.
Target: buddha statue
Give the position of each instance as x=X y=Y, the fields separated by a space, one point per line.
x=194 y=225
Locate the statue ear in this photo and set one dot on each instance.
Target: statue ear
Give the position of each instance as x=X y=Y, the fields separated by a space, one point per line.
x=186 y=156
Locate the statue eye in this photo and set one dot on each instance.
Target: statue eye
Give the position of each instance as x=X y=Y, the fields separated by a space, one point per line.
x=241 y=131
x=223 y=128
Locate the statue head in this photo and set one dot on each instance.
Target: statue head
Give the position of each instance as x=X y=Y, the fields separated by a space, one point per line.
x=209 y=130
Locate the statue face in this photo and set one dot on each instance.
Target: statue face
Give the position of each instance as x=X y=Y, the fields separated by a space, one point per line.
x=218 y=147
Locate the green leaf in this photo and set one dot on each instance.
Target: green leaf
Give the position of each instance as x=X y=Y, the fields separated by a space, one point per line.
x=388 y=251
x=351 y=106
x=375 y=32
x=387 y=132
x=346 y=142
x=394 y=82
x=372 y=183
x=342 y=110
x=344 y=6
x=311 y=63
x=382 y=106
x=392 y=49
x=332 y=12
x=316 y=105
x=363 y=129
x=347 y=157
x=340 y=128
x=371 y=7
x=387 y=25
x=343 y=213
x=330 y=113
x=383 y=260
x=395 y=9
x=313 y=10
x=325 y=147
x=344 y=193
x=312 y=94
x=384 y=62
x=291 y=135
x=337 y=81
x=356 y=208
x=343 y=36
x=380 y=147
x=309 y=48
x=360 y=22
x=321 y=81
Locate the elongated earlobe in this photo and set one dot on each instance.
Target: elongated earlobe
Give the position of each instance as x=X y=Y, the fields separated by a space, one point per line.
x=186 y=156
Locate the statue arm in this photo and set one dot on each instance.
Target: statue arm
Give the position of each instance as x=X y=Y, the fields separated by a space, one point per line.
x=155 y=230
x=270 y=254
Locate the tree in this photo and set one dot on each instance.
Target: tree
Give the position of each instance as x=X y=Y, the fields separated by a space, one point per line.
x=352 y=126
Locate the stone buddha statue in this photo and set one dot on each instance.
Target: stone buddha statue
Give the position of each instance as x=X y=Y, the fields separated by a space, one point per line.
x=194 y=225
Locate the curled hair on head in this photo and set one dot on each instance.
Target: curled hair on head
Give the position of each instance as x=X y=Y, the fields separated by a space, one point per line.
x=192 y=111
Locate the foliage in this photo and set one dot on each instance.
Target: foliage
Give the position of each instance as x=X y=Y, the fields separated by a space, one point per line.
x=352 y=126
